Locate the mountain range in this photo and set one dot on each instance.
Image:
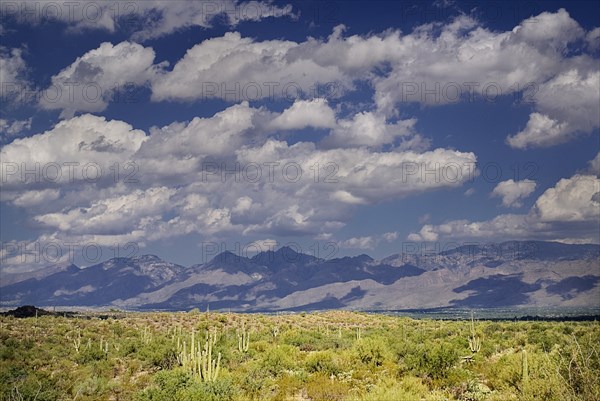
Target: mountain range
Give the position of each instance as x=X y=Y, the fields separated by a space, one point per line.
x=507 y=274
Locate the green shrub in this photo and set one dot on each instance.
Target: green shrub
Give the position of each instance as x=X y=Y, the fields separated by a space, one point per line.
x=322 y=388
x=159 y=353
x=168 y=386
x=410 y=388
x=37 y=386
x=278 y=359
x=433 y=360
x=504 y=373
x=304 y=340
x=219 y=390
x=91 y=387
x=322 y=362
x=87 y=355
x=254 y=382
x=286 y=386
x=372 y=351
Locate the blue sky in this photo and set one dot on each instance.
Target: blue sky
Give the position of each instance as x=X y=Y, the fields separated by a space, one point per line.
x=431 y=123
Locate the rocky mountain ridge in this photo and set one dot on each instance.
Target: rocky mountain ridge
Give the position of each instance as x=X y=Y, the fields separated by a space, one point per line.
x=511 y=273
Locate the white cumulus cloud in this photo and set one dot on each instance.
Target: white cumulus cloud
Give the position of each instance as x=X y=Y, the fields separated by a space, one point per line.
x=149 y=18
x=13 y=128
x=513 y=192
x=568 y=211
x=567 y=105
x=13 y=70
x=95 y=78
x=305 y=113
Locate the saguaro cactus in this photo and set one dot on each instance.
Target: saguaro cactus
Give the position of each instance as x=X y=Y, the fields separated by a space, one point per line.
x=474 y=340
x=77 y=341
x=209 y=367
x=243 y=340
x=145 y=335
x=524 y=367
x=211 y=335
x=200 y=361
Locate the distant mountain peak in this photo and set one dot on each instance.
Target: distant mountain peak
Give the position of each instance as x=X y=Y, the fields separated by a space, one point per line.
x=72 y=268
x=287 y=250
x=285 y=255
x=149 y=258
x=362 y=258
x=226 y=257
